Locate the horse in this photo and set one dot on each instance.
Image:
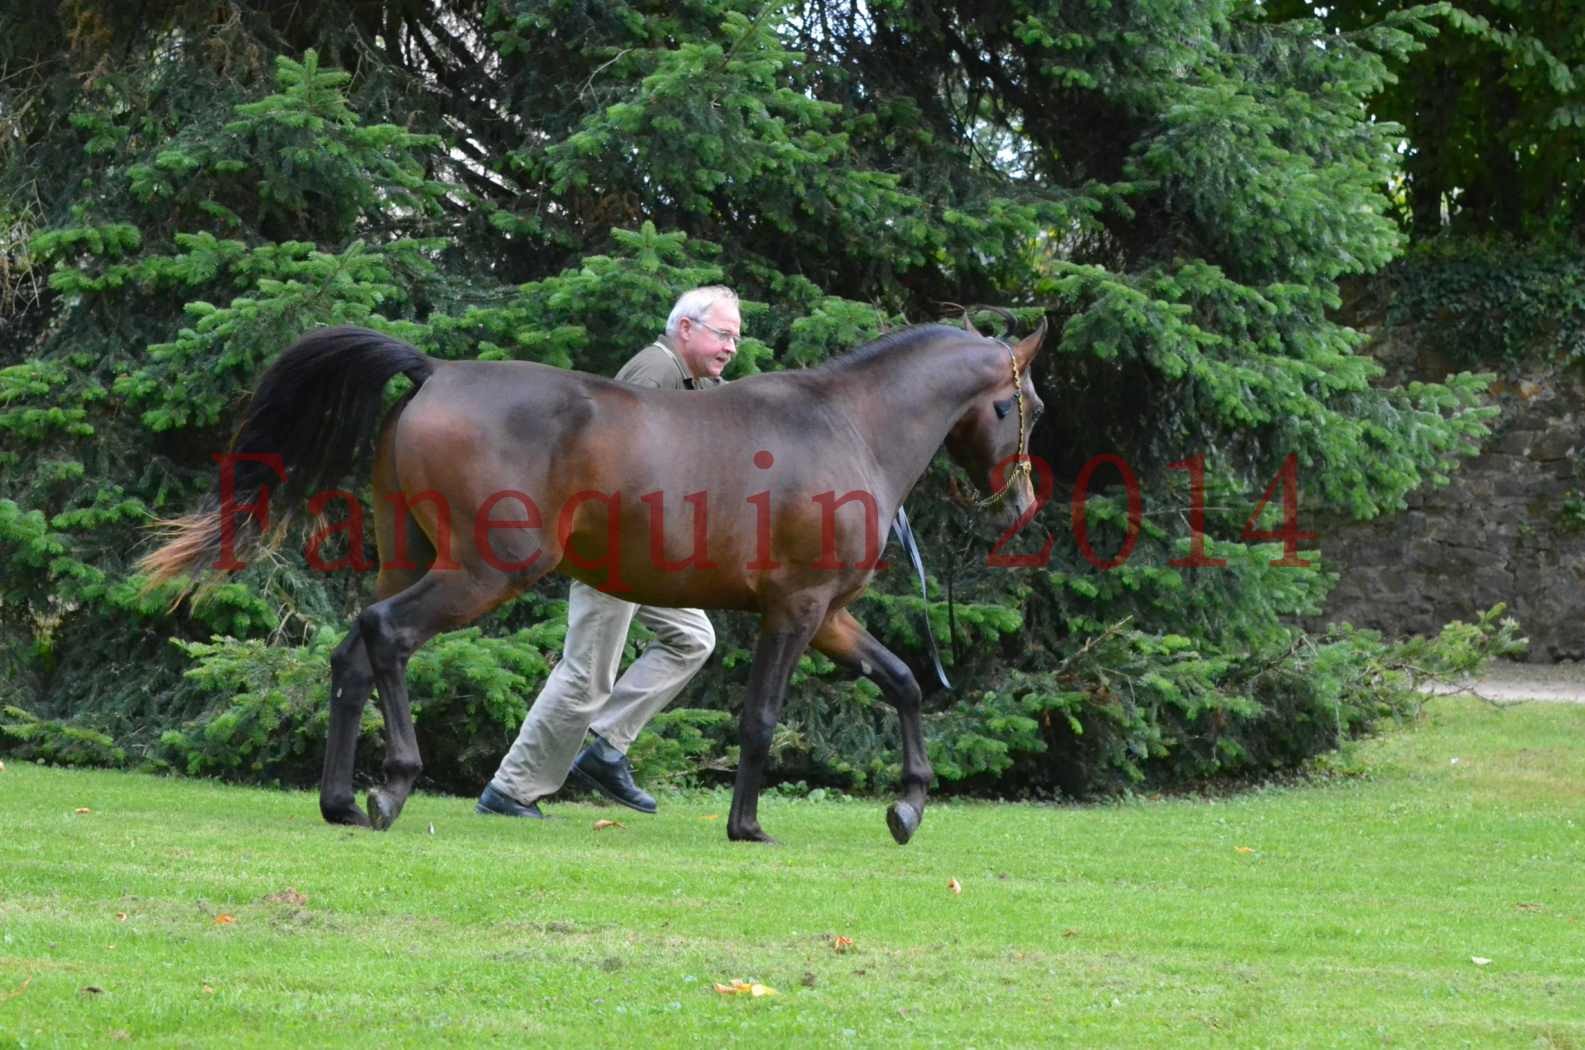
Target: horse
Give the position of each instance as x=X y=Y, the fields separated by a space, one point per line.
x=488 y=475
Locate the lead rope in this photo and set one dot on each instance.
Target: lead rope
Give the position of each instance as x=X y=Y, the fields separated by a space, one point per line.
x=905 y=537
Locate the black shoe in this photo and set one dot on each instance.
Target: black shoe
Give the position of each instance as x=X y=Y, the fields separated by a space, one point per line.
x=605 y=769
x=492 y=801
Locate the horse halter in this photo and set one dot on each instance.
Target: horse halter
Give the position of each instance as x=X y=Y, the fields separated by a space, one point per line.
x=1022 y=467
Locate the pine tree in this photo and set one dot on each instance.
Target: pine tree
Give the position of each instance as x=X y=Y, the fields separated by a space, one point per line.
x=1179 y=187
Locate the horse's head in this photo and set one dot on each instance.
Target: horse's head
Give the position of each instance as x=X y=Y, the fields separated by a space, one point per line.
x=991 y=440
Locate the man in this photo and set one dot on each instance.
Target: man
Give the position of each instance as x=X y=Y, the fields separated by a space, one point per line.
x=701 y=337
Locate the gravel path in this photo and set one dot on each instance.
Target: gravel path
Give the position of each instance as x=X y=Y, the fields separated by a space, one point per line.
x=1556 y=683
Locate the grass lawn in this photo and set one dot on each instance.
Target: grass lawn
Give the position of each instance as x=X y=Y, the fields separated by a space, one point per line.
x=1343 y=913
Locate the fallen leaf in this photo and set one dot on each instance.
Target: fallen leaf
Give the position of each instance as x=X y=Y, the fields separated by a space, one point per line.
x=287 y=896
x=601 y=825
x=741 y=987
x=208 y=990
x=121 y=916
x=84 y=809
x=224 y=920
x=711 y=816
x=1243 y=849
x=840 y=944
x=92 y=990
x=954 y=886
x=1530 y=906
x=1070 y=933
x=120 y=1035
x=1479 y=960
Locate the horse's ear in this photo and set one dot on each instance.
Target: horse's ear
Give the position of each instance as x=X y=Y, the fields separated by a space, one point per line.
x=1029 y=345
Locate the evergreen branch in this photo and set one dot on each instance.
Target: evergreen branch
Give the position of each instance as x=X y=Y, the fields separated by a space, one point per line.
x=588 y=83
x=1451 y=685
x=1092 y=642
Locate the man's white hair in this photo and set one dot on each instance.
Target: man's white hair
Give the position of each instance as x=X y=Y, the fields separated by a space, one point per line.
x=696 y=303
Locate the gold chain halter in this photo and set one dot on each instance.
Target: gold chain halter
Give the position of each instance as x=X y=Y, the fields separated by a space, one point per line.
x=1022 y=467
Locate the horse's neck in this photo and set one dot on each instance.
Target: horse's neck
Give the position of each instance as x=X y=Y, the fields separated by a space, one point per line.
x=905 y=404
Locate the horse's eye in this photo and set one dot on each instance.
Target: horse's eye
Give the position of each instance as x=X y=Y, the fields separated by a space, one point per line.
x=1002 y=408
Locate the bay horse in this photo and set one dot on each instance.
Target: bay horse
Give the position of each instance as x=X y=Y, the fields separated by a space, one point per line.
x=769 y=495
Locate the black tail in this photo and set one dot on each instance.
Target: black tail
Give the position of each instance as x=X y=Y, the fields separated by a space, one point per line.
x=313 y=416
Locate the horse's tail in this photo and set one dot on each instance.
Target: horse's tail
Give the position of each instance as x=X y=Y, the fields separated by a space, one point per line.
x=307 y=426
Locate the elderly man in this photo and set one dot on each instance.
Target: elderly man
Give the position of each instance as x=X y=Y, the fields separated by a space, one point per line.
x=583 y=692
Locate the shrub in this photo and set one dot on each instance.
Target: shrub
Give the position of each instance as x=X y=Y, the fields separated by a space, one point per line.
x=1491 y=302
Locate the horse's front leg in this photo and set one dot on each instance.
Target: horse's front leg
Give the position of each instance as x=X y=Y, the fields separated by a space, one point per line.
x=775 y=657
x=847 y=643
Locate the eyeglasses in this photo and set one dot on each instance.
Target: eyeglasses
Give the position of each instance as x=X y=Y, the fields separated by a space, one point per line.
x=726 y=337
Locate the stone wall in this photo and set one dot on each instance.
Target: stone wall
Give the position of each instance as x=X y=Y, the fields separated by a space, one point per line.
x=1498 y=533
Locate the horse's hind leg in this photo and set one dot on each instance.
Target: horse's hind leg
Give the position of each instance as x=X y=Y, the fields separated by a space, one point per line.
x=847 y=643
x=350 y=683
x=392 y=631
x=351 y=676
x=784 y=635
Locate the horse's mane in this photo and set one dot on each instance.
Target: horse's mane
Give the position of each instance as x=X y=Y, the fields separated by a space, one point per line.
x=892 y=342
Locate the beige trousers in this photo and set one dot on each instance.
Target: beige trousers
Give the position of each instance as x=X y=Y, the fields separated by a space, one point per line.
x=583 y=692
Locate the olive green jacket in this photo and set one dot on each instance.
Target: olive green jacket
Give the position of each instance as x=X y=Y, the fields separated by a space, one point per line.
x=657 y=365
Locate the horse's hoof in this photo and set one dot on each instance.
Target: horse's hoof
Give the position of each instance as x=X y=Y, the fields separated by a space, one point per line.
x=382 y=811
x=903 y=820
x=753 y=834
x=344 y=813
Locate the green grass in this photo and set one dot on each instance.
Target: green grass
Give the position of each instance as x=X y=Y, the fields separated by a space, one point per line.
x=1352 y=921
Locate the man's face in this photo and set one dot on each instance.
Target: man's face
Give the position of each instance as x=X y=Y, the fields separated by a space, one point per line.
x=708 y=344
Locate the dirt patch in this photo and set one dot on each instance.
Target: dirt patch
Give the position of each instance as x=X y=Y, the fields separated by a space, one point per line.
x=1562 y=683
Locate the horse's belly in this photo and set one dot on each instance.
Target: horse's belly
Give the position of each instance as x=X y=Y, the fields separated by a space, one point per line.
x=680 y=588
